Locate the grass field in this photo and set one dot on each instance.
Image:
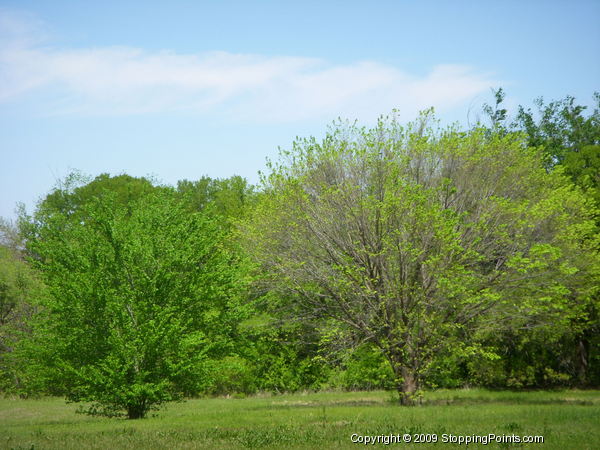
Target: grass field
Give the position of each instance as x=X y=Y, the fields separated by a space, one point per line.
x=566 y=420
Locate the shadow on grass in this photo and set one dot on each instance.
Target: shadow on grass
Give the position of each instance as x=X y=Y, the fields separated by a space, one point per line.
x=512 y=400
x=300 y=404
x=447 y=401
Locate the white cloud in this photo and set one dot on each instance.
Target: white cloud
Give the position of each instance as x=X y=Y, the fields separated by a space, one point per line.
x=124 y=80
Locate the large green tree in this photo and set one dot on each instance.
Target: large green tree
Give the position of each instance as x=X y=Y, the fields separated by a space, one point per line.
x=417 y=238
x=142 y=294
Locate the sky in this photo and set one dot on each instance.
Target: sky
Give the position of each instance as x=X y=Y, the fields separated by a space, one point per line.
x=181 y=89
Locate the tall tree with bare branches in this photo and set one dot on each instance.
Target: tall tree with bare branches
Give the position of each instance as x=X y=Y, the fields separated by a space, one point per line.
x=415 y=237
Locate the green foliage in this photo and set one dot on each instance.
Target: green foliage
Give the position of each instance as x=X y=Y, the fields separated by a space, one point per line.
x=497 y=114
x=228 y=197
x=396 y=257
x=284 y=357
x=142 y=295
x=230 y=375
x=365 y=368
x=559 y=127
x=77 y=189
x=583 y=166
x=412 y=237
x=20 y=295
x=570 y=142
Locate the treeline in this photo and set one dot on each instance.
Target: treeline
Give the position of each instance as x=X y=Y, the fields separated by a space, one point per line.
x=396 y=257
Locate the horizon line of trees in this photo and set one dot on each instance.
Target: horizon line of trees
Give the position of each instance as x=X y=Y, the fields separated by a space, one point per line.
x=397 y=257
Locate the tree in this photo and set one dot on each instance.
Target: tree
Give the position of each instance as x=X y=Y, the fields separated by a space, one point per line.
x=559 y=127
x=142 y=294
x=417 y=238
x=77 y=189
x=569 y=139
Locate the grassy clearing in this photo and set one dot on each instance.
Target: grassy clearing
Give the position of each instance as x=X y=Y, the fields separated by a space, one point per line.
x=566 y=419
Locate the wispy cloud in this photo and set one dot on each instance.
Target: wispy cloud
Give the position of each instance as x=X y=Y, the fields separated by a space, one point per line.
x=125 y=80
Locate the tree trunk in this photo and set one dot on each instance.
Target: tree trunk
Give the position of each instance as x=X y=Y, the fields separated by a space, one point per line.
x=407 y=389
x=582 y=359
x=136 y=411
x=406 y=379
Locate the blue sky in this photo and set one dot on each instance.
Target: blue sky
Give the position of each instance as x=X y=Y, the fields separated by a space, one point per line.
x=184 y=89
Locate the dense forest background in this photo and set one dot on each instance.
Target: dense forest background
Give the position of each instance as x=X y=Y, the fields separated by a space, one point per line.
x=396 y=257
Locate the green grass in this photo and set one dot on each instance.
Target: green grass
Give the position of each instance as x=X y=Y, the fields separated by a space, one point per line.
x=566 y=419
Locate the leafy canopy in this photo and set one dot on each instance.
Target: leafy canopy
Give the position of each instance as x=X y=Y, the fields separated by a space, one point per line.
x=416 y=238
x=141 y=295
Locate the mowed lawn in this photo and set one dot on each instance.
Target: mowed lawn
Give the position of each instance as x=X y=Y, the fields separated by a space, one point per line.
x=566 y=419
